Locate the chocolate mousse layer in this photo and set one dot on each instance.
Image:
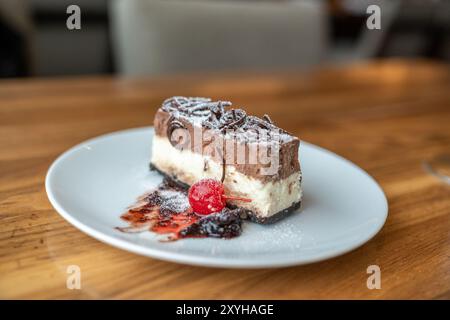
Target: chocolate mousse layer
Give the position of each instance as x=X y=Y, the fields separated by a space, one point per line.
x=230 y=137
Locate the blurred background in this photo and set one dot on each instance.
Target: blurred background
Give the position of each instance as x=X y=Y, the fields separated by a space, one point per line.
x=152 y=37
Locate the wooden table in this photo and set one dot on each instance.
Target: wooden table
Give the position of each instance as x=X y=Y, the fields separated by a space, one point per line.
x=388 y=117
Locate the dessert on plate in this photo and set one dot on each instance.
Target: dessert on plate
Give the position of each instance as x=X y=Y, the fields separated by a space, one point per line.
x=220 y=166
x=273 y=193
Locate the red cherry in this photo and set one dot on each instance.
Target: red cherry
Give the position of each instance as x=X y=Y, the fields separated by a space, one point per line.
x=207 y=196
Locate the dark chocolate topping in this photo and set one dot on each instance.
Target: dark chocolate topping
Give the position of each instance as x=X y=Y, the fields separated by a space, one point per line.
x=212 y=115
x=232 y=120
x=194 y=106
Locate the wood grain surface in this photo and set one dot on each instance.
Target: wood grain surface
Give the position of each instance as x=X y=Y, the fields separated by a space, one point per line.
x=386 y=116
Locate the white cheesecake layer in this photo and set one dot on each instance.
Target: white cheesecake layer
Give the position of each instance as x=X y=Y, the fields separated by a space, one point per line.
x=268 y=198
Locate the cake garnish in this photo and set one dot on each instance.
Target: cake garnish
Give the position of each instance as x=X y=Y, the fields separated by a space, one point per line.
x=232 y=120
x=267 y=119
x=194 y=106
x=169 y=211
x=208 y=196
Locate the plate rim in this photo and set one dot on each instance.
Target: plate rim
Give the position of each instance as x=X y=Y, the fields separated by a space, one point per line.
x=179 y=257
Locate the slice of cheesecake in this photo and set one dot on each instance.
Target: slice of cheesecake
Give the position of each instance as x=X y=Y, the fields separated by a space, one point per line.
x=196 y=138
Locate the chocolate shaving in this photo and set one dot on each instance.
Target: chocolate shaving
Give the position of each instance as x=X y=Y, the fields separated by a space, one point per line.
x=267 y=119
x=263 y=125
x=256 y=123
x=217 y=112
x=233 y=119
x=200 y=109
x=195 y=106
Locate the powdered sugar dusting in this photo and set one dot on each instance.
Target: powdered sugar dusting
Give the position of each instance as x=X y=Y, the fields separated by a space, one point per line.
x=234 y=123
x=174 y=201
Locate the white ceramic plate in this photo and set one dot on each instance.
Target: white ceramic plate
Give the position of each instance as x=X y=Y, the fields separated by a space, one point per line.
x=93 y=183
